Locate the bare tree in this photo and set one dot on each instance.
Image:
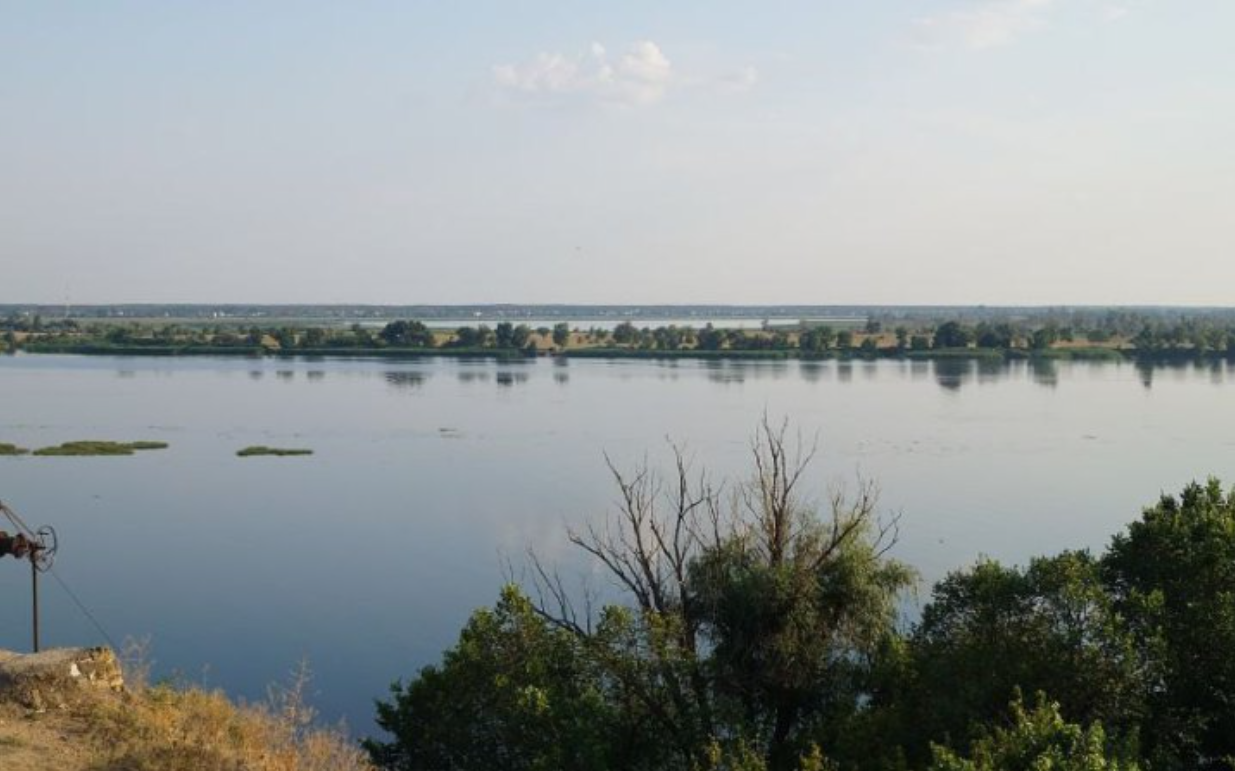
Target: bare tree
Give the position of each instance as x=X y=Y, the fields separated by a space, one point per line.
x=672 y=543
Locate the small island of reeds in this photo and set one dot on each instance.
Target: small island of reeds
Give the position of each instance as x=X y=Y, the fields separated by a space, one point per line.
x=255 y=450
x=87 y=447
x=12 y=449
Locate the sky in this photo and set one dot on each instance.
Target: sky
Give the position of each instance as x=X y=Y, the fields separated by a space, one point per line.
x=1002 y=152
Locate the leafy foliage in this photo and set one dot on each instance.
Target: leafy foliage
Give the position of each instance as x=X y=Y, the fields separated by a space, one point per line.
x=748 y=626
x=1038 y=740
x=760 y=632
x=991 y=630
x=1173 y=575
x=516 y=692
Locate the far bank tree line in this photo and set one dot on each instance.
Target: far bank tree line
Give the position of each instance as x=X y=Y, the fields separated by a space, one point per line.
x=753 y=631
x=1154 y=337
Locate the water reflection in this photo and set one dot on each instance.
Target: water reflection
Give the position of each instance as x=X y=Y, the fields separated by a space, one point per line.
x=951 y=374
x=991 y=369
x=919 y=369
x=1045 y=372
x=507 y=378
x=812 y=371
x=724 y=372
x=406 y=379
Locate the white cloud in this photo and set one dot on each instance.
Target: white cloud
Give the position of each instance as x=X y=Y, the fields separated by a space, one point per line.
x=547 y=72
x=985 y=24
x=642 y=76
x=989 y=24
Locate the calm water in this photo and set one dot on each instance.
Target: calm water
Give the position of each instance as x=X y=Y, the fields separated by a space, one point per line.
x=368 y=556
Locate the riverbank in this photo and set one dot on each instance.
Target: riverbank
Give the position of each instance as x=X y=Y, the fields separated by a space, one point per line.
x=1086 y=353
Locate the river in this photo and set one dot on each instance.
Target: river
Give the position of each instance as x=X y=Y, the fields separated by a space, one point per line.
x=431 y=476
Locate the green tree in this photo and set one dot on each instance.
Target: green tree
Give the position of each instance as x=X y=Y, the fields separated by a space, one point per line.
x=468 y=337
x=1172 y=574
x=669 y=338
x=520 y=336
x=118 y=335
x=1044 y=338
x=1147 y=340
x=503 y=335
x=757 y=622
x=951 y=334
x=745 y=632
x=407 y=334
x=816 y=339
x=994 y=335
x=516 y=693
x=991 y=630
x=1039 y=739
x=710 y=339
x=314 y=337
x=625 y=333
x=561 y=334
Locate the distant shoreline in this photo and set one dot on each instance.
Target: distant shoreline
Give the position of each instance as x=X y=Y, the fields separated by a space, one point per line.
x=1091 y=354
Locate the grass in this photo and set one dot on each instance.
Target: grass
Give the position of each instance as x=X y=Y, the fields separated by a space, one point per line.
x=182 y=726
x=259 y=449
x=405 y=353
x=167 y=727
x=89 y=447
x=12 y=449
x=110 y=349
x=148 y=445
x=957 y=353
x=685 y=353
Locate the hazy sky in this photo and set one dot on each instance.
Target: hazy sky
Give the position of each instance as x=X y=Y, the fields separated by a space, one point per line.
x=881 y=151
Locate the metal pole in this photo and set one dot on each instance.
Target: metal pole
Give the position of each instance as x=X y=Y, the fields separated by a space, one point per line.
x=34 y=588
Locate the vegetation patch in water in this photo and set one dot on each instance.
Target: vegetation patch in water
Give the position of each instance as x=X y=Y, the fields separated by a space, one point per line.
x=97 y=447
x=249 y=452
x=12 y=449
x=148 y=445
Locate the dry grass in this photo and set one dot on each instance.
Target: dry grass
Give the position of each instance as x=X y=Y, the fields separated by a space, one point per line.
x=170 y=727
x=166 y=728
x=177 y=727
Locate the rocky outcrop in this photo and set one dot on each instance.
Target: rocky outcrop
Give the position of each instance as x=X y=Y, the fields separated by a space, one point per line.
x=59 y=678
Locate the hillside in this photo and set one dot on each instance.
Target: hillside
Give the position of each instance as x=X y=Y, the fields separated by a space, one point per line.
x=71 y=710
